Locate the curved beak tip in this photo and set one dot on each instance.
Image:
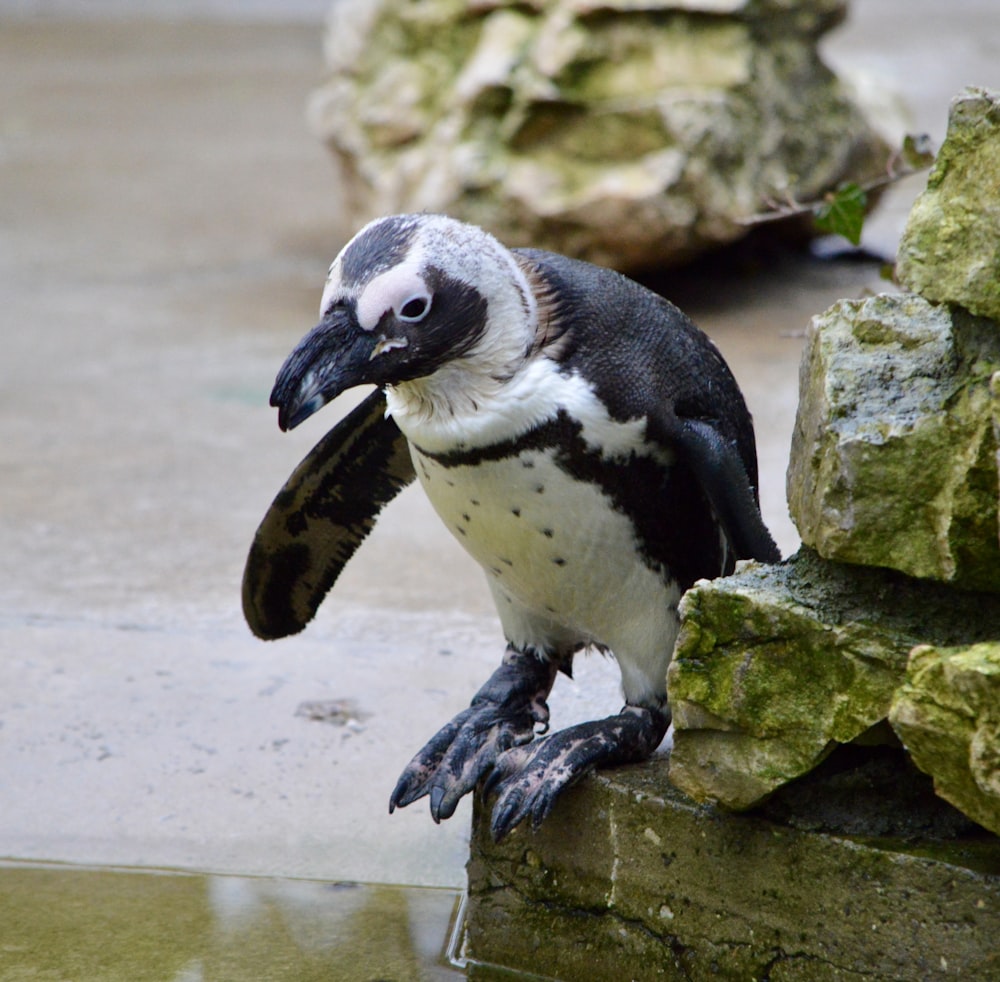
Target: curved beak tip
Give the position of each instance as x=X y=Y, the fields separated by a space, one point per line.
x=332 y=357
x=297 y=410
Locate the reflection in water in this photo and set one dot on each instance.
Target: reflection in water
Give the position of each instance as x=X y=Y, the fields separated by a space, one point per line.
x=59 y=923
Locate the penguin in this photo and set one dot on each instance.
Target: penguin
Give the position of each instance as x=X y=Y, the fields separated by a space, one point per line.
x=578 y=435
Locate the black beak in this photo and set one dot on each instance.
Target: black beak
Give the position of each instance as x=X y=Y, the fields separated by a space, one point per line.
x=333 y=357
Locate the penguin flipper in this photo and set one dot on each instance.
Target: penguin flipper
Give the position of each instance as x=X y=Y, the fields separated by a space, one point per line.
x=321 y=516
x=720 y=470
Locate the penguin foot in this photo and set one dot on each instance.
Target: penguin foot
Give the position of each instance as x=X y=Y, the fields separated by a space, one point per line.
x=502 y=716
x=529 y=779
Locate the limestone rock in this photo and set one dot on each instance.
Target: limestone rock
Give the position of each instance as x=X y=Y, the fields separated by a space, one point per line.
x=893 y=458
x=777 y=665
x=948 y=717
x=625 y=133
x=629 y=879
x=949 y=251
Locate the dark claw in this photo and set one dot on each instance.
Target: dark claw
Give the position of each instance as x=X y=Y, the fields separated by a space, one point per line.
x=437 y=797
x=506 y=815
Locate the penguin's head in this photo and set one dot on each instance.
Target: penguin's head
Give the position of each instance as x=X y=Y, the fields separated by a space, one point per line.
x=408 y=299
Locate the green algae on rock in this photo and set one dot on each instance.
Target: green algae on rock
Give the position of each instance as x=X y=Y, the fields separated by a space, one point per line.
x=777 y=665
x=950 y=249
x=947 y=714
x=893 y=457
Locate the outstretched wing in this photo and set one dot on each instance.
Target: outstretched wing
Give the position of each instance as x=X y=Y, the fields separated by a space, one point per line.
x=321 y=516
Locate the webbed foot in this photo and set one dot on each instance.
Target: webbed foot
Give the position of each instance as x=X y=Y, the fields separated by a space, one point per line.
x=530 y=778
x=502 y=716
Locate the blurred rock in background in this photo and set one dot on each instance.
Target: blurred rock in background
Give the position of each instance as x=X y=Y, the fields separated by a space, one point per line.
x=630 y=135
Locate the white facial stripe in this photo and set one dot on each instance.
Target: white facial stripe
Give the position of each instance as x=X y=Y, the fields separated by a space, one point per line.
x=387 y=344
x=332 y=291
x=388 y=291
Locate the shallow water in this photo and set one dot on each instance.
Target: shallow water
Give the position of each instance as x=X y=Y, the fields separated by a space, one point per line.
x=104 y=925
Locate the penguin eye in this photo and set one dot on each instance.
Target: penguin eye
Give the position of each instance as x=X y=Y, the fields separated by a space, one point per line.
x=415 y=308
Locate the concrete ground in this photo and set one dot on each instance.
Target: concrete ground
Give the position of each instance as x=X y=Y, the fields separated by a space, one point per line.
x=164 y=238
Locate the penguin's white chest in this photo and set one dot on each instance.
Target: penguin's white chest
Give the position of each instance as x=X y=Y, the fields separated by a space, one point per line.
x=555 y=548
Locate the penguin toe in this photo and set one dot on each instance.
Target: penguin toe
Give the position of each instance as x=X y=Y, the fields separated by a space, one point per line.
x=415 y=781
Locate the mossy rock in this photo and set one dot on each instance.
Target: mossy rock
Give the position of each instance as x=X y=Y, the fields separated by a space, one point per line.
x=948 y=716
x=777 y=665
x=950 y=249
x=893 y=457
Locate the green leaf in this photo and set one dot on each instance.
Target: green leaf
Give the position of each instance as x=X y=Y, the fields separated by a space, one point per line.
x=843 y=212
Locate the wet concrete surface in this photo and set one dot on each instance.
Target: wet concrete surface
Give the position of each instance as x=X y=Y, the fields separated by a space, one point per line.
x=163 y=241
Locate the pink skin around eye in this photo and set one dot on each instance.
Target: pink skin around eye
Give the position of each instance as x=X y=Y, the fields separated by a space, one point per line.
x=388 y=291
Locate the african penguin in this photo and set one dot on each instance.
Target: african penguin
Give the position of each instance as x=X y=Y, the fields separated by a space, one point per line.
x=577 y=434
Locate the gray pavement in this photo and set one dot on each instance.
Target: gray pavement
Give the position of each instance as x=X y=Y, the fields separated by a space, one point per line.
x=164 y=219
